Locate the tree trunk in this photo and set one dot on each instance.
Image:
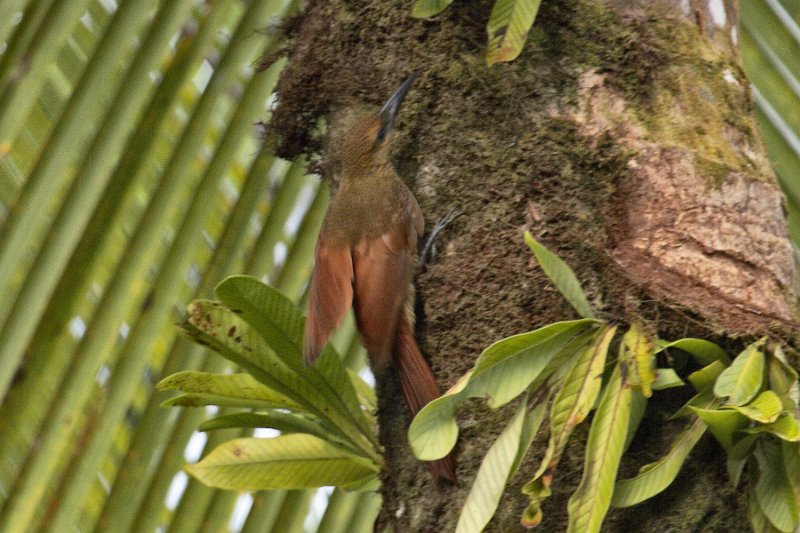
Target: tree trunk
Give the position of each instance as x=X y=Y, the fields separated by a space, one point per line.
x=623 y=137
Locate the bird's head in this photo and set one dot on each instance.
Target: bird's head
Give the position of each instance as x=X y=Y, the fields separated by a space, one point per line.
x=367 y=141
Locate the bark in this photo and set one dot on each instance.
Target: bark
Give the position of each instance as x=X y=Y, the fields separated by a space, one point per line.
x=623 y=138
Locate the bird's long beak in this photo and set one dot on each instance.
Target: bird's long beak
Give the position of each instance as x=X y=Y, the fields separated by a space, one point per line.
x=389 y=110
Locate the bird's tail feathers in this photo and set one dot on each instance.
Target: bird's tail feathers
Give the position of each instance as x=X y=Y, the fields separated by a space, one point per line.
x=420 y=387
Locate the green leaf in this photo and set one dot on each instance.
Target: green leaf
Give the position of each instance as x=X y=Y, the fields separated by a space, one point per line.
x=280 y=324
x=791 y=458
x=557 y=270
x=698 y=400
x=758 y=520
x=530 y=427
x=742 y=448
x=194 y=399
x=666 y=378
x=705 y=352
x=365 y=393
x=506 y=368
x=275 y=317
x=703 y=380
x=774 y=492
x=706 y=377
x=428 y=8
x=638 y=353
x=286 y=462
x=786 y=427
x=765 y=408
x=735 y=467
x=502 y=372
x=723 y=424
x=589 y=504
x=655 y=477
x=575 y=398
x=283 y=422
x=741 y=381
x=508 y=28
x=498 y=466
x=210 y=323
x=791 y=461
x=434 y=432
x=638 y=407
x=783 y=379
x=228 y=390
x=556 y=371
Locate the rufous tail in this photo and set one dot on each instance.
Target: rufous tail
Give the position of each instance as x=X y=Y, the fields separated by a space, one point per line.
x=419 y=388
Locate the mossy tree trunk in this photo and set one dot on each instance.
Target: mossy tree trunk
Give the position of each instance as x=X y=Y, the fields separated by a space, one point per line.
x=623 y=138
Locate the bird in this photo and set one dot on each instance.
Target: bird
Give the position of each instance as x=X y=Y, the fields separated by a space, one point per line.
x=365 y=258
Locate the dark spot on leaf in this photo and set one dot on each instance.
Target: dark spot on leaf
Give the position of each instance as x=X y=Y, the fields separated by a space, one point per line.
x=148 y=301
x=237 y=452
x=238 y=339
x=187 y=401
x=232 y=331
x=19 y=375
x=500 y=33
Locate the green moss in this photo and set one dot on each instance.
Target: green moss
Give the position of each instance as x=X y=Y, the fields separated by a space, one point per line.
x=689 y=103
x=711 y=169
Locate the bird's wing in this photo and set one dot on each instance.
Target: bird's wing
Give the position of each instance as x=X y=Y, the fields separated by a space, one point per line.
x=382 y=269
x=330 y=296
x=415 y=214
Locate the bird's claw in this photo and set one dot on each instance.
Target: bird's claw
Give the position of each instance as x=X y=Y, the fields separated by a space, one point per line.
x=428 y=253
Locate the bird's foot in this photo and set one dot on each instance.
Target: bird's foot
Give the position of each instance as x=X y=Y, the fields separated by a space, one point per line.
x=428 y=253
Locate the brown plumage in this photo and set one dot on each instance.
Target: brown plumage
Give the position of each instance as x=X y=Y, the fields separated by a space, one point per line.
x=365 y=259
